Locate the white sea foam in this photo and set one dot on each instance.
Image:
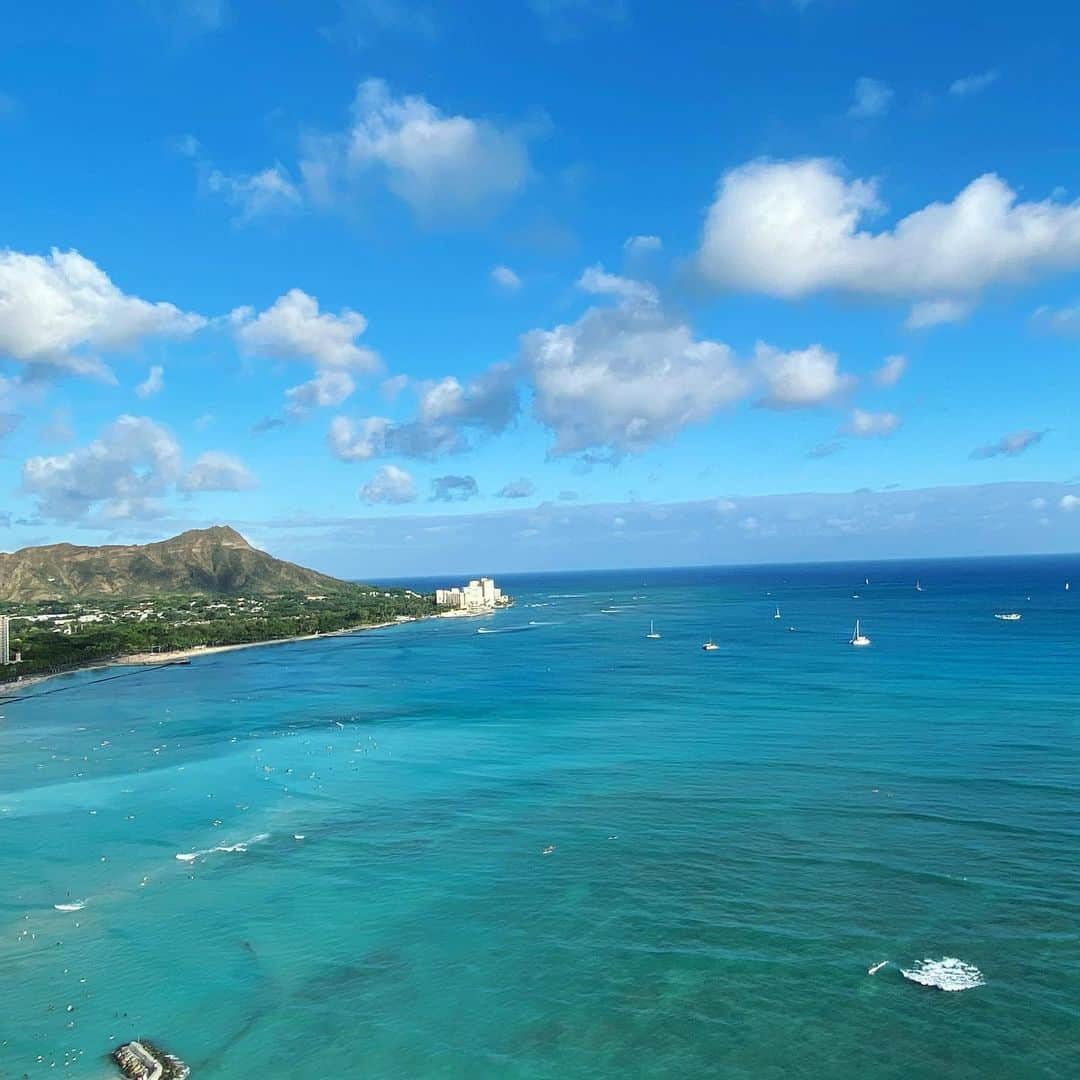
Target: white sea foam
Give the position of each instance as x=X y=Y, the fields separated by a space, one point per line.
x=948 y=973
x=76 y=905
x=191 y=856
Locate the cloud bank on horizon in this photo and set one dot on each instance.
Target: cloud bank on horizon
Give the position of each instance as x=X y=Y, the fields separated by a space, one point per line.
x=378 y=296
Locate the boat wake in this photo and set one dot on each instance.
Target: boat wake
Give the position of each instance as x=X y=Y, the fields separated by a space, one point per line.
x=948 y=973
x=191 y=856
x=507 y=629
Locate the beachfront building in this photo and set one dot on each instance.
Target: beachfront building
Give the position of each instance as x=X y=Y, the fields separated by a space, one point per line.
x=481 y=594
x=5 y=639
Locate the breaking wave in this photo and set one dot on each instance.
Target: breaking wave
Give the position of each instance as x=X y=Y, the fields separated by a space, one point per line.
x=191 y=856
x=75 y=905
x=948 y=973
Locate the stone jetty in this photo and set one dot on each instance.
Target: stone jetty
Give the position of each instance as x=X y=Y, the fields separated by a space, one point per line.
x=144 y=1061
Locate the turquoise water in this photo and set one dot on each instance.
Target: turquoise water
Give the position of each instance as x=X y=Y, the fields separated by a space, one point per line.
x=737 y=836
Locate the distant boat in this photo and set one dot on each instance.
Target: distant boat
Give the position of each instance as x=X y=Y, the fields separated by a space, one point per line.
x=859 y=638
x=918 y=585
x=710 y=646
x=866 y=581
x=1007 y=616
x=1066 y=586
x=854 y=596
x=652 y=631
x=776 y=614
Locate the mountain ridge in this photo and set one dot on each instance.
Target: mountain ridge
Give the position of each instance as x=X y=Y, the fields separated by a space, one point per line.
x=212 y=561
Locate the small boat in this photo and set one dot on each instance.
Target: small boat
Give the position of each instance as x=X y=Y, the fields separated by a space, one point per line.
x=918 y=585
x=652 y=631
x=866 y=581
x=776 y=614
x=1007 y=616
x=710 y=646
x=854 y=596
x=859 y=638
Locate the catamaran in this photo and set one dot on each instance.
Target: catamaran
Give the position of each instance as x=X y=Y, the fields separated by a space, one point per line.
x=652 y=631
x=710 y=646
x=859 y=638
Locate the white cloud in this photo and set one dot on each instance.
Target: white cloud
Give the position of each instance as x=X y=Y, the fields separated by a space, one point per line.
x=891 y=371
x=642 y=245
x=453 y=488
x=596 y=280
x=293 y=328
x=215 y=471
x=620 y=379
x=1069 y=503
x=1010 y=445
x=327 y=388
x=801 y=378
x=438 y=164
x=154 y=382
x=927 y=313
x=269 y=191
x=973 y=84
x=389 y=485
x=866 y=425
x=1064 y=320
x=125 y=469
x=871 y=97
x=517 y=489
x=792 y=228
x=59 y=310
x=505 y=278
x=447 y=411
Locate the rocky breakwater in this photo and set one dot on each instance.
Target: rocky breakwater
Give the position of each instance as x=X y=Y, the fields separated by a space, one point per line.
x=144 y=1061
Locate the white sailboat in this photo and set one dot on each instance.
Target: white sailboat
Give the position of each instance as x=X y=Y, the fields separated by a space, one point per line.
x=859 y=638
x=652 y=631
x=776 y=614
x=918 y=585
x=710 y=646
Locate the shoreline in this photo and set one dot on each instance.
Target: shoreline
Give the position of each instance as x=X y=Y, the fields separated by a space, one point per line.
x=181 y=656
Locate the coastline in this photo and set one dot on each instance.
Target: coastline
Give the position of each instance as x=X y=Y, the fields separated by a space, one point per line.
x=181 y=656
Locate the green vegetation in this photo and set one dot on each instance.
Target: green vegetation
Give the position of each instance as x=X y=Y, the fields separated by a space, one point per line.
x=59 y=637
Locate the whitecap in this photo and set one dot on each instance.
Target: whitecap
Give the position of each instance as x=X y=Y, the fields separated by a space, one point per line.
x=191 y=856
x=948 y=973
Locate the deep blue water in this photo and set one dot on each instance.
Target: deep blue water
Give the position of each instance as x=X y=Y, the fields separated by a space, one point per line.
x=737 y=836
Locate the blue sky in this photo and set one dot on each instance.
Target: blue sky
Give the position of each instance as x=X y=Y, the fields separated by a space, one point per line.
x=403 y=289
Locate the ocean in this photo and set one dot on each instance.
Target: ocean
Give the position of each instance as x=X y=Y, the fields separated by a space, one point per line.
x=560 y=849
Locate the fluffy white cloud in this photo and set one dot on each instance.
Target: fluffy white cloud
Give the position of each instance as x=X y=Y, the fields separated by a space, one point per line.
x=1010 y=445
x=801 y=378
x=642 y=245
x=791 y=228
x=1069 y=503
x=866 y=425
x=620 y=379
x=447 y=412
x=973 y=84
x=153 y=384
x=871 y=97
x=327 y=388
x=59 y=310
x=130 y=464
x=517 y=489
x=389 y=485
x=215 y=471
x=293 y=328
x=505 y=278
x=891 y=371
x=435 y=162
x=598 y=281
x=269 y=191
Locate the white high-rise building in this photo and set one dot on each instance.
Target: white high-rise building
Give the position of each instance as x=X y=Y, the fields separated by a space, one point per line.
x=479 y=595
x=5 y=639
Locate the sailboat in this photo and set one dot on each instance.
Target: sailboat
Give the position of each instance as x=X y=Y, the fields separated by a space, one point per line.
x=859 y=638
x=710 y=646
x=652 y=631
x=776 y=614
x=918 y=585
